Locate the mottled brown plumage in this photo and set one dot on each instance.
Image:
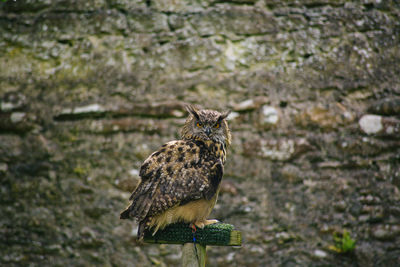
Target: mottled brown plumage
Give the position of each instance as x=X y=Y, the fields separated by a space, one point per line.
x=181 y=180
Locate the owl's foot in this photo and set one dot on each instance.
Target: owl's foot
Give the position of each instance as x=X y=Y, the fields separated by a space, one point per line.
x=201 y=224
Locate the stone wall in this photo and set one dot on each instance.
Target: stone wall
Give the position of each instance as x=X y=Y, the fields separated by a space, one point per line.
x=88 y=89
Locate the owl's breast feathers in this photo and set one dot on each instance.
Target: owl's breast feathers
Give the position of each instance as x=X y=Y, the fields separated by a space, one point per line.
x=180 y=182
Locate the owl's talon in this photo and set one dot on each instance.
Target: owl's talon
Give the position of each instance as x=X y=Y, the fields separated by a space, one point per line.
x=207 y=222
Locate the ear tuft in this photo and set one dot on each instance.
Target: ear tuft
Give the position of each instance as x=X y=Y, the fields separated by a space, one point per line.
x=192 y=110
x=224 y=115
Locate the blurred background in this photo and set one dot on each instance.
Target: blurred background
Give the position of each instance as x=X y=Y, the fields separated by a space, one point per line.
x=89 y=88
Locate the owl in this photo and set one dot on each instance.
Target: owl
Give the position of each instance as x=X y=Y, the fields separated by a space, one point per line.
x=181 y=180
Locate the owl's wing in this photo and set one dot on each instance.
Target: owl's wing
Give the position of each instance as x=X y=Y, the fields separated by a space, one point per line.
x=174 y=175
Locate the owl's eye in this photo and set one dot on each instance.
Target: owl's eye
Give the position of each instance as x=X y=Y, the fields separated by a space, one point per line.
x=216 y=126
x=199 y=124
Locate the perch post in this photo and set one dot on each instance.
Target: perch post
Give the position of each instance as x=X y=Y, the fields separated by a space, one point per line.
x=219 y=234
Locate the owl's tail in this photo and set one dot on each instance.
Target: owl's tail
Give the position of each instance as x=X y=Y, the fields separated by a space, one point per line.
x=143 y=225
x=141 y=229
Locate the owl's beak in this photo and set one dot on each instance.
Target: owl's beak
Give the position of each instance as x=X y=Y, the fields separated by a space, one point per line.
x=208 y=131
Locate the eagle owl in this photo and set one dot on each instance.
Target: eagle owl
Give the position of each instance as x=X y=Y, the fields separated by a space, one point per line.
x=180 y=181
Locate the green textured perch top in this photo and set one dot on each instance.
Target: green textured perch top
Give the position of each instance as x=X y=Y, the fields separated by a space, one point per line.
x=219 y=234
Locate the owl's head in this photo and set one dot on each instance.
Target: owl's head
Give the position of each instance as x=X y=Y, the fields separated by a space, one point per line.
x=206 y=125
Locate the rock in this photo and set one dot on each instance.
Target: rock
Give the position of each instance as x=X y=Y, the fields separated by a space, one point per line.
x=362 y=145
x=250 y=104
x=18 y=122
x=366 y=253
x=369 y=199
x=272 y=149
x=3 y=167
x=76 y=5
x=330 y=164
x=324 y=118
x=157 y=109
x=35 y=6
x=276 y=149
x=145 y=21
x=161 y=109
x=126 y=125
x=17 y=117
x=385 y=232
x=386 y=106
x=233 y=115
x=178 y=6
x=12 y=101
x=340 y=205
x=228 y=186
x=377 y=214
x=128 y=184
x=284 y=237
x=95 y=212
x=371 y=124
x=233 y=20
x=291 y=173
x=89 y=239
x=269 y=115
x=81 y=112
x=320 y=253
x=378 y=125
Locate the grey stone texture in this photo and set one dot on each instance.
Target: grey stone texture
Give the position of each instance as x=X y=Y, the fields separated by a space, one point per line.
x=88 y=89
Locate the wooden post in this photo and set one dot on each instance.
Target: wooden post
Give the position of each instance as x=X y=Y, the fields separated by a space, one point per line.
x=218 y=234
x=192 y=257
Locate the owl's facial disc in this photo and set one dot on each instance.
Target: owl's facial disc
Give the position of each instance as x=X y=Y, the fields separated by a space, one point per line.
x=208 y=130
x=206 y=125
